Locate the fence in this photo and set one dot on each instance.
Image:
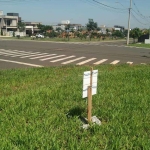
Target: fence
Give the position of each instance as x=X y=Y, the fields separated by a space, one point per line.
x=143 y=37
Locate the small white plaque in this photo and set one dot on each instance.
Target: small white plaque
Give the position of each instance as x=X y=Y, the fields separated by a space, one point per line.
x=86 y=82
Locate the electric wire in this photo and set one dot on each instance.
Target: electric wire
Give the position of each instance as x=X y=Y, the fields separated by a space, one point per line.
x=104 y=7
x=107 y=5
x=139 y=11
x=139 y=14
x=14 y=2
x=137 y=19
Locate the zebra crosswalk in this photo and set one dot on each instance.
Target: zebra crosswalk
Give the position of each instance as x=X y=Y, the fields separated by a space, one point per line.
x=62 y=59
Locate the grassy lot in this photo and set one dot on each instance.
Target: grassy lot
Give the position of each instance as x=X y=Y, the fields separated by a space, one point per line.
x=39 y=109
x=141 y=45
x=61 y=39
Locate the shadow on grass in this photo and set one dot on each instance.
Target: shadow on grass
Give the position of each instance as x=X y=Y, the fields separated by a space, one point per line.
x=77 y=111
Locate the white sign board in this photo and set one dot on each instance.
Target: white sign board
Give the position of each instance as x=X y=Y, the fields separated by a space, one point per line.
x=86 y=82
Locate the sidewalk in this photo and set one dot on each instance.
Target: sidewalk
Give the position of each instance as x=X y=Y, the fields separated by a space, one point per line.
x=4 y=36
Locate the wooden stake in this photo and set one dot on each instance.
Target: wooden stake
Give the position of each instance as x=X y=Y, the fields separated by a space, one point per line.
x=90 y=97
x=89 y=104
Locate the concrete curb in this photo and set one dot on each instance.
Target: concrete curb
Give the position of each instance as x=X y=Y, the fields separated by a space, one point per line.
x=60 y=41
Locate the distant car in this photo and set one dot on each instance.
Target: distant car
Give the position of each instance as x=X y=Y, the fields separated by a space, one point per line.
x=40 y=36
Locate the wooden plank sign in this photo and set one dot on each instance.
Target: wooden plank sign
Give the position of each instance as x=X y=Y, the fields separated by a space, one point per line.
x=87 y=77
x=89 y=88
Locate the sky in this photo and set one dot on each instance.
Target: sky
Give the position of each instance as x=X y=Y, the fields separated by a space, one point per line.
x=52 y=12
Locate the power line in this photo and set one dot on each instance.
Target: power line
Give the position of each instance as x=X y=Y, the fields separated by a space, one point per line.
x=137 y=19
x=10 y=2
x=107 y=5
x=139 y=11
x=104 y=7
x=140 y=16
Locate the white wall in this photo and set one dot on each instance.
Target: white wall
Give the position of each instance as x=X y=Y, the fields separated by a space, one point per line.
x=147 y=41
x=117 y=29
x=14 y=23
x=20 y=33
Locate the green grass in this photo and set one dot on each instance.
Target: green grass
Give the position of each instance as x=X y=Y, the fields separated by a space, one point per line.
x=61 y=39
x=141 y=45
x=39 y=109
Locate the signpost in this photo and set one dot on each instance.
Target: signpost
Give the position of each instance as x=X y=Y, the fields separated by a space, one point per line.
x=90 y=88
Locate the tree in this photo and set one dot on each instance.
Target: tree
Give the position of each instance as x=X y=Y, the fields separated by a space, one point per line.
x=107 y=30
x=58 y=29
x=91 y=25
x=99 y=36
x=41 y=27
x=146 y=31
x=117 y=33
x=98 y=28
x=125 y=32
x=44 y=28
x=67 y=29
x=13 y=34
x=21 y=26
x=135 y=33
x=52 y=34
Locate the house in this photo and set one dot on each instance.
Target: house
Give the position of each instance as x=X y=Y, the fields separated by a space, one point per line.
x=32 y=27
x=75 y=27
x=104 y=29
x=8 y=23
x=119 y=28
x=65 y=24
x=62 y=27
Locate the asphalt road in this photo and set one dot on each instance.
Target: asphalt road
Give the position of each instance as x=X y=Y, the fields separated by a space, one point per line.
x=23 y=54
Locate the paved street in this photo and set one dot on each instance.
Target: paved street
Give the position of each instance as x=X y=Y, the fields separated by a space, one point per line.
x=22 y=54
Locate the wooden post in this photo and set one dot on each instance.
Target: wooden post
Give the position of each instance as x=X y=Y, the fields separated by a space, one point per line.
x=90 y=97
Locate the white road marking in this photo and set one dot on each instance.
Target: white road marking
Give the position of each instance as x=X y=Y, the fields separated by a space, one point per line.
x=3 y=53
x=100 y=62
x=33 y=55
x=120 y=45
x=73 y=60
x=52 y=57
x=24 y=54
x=43 y=56
x=110 y=45
x=15 y=53
x=8 y=52
x=115 y=62
x=83 y=62
x=129 y=62
x=22 y=63
x=21 y=51
x=62 y=59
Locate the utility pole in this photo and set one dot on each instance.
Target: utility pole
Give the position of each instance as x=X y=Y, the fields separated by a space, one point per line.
x=129 y=22
x=149 y=32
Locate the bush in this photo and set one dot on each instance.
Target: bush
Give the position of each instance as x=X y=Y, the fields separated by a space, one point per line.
x=13 y=34
x=1 y=32
x=18 y=36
